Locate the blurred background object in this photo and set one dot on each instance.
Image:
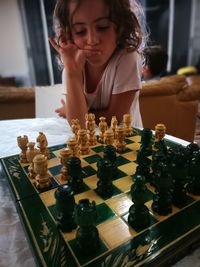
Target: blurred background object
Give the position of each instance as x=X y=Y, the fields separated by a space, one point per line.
x=25 y=53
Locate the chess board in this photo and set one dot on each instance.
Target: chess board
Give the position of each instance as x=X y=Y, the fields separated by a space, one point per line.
x=166 y=239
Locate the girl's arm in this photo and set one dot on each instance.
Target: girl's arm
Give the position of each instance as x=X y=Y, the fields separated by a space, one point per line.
x=73 y=60
x=76 y=106
x=119 y=105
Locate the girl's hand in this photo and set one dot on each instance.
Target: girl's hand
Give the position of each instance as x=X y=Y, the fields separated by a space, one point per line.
x=62 y=110
x=72 y=57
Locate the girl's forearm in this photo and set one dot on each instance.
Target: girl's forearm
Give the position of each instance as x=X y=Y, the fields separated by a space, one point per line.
x=76 y=106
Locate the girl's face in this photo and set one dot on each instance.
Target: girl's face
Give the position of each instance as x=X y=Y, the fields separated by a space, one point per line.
x=92 y=30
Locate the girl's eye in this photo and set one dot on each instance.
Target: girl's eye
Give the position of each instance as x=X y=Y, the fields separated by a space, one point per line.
x=80 y=32
x=102 y=28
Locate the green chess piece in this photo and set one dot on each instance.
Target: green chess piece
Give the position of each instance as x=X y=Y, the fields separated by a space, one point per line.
x=139 y=217
x=105 y=175
x=110 y=154
x=65 y=204
x=87 y=235
x=143 y=154
x=179 y=171
x=194 y=183
x=162 y=199
x=75 y=175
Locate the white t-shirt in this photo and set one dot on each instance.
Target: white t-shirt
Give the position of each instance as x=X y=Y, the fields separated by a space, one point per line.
x=122 y=74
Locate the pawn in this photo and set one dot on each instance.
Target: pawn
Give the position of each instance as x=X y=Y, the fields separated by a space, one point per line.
x=90 y=126
x=65 y=204
x=42 y=175
x=127 y=124
x=30 y=154
x=102 y=128
x=109 y=137
x=75 y=176
x=120 y=135
x=113 y=125
x=105 y=175
x=22 y=142
x=72 y=144
x=159 y=144
x=87 y=235
x=65 y=154
x=139 y=217
x=83 y=142
x=75 y=125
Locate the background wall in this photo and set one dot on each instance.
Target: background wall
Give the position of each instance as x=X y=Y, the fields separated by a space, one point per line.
x=13 y=56
x=23 y=55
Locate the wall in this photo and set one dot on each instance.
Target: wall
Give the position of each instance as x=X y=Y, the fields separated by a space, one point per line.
x=13 y=57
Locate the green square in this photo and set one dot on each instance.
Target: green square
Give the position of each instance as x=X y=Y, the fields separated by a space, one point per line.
x=119 y=175
x=129 y=141
x=104 y=213
x=116 y=191
x=98 y=149
x=92 y=159
x=88 y=171
x=121 y=160
x=124 y=151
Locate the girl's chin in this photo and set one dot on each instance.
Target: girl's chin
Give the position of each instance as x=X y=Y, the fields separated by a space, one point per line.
x=95 y=61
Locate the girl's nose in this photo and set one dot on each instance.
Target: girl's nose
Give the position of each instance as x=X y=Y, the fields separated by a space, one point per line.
x=92 y=38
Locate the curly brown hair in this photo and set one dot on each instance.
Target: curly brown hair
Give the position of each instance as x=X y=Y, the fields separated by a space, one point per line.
x=123 y=13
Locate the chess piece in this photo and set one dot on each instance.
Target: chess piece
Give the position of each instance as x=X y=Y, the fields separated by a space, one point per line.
x=65 y=154
x=83 y=142
x=108 y=137
x=143 y=160
x=65 y=204
x=75 y=176
x=110 y=154
x=190 y=149
x=157 y=158
x=159 y=144
x=87 y=235
x=72 y=144
x=193 y=186
x=43 y=145
x=22 y=142
x=102 y=128
x=113 y=125
x=105 y=175
x=42 y=175
x=30 y=154
x=179 y=171
x=90 y=126
x=162 y=200
x=127 y=124
x=75 y=125
x=120 y=142
x=139 y=217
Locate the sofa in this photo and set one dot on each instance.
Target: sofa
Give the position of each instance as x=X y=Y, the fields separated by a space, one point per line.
x=17 y=102
x=172 y=100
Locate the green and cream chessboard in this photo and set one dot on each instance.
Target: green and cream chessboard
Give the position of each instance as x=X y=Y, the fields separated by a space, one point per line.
x=164 y=241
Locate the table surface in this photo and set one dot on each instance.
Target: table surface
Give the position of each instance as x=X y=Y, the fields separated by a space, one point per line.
x=14 y=248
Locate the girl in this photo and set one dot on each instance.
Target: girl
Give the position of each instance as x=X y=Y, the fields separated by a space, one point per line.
x=98 y=43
